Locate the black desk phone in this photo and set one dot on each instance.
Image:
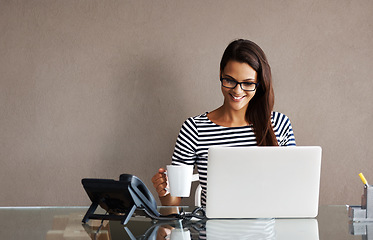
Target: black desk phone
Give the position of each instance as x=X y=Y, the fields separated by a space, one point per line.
x=119 y=198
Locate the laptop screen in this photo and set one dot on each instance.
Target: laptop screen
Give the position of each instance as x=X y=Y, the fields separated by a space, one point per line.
x=263 y=182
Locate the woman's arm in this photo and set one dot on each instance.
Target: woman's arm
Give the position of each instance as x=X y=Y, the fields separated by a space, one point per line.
x=285 y=130
x=168 y=200
x=184 y=153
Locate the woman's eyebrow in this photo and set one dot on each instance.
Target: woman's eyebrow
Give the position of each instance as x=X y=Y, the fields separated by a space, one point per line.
x=248 y=79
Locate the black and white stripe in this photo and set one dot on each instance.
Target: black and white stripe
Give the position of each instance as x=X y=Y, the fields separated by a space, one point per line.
x=198 y=134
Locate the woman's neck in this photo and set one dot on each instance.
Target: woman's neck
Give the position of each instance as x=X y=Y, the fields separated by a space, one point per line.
x=228 y=117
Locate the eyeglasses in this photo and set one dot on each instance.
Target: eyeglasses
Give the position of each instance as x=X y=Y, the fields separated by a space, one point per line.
x=231 y=83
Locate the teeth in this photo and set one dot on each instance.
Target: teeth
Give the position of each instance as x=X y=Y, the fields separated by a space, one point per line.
x=237 y=97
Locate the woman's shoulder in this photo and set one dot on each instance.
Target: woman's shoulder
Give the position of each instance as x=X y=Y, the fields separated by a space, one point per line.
x=279 y=118
x=201 y=116
x=198 y=119
x=278 y=114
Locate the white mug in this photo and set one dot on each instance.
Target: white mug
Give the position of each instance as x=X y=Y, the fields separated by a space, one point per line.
x=180 y=234
x=180 y=179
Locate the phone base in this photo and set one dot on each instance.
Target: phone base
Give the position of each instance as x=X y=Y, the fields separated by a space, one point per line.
x=122 y=218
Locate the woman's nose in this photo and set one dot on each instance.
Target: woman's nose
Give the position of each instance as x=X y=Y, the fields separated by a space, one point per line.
x=237 y=88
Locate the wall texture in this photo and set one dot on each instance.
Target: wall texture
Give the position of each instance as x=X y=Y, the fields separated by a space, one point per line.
x=100 y=88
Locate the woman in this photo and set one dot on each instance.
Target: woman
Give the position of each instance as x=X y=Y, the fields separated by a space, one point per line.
x=246 y=117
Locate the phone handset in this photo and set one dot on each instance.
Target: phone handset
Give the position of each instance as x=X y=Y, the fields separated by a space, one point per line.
x=140 y=193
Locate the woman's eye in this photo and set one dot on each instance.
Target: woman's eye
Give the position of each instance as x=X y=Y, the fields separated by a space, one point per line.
x=247 y=84
x=230 y=81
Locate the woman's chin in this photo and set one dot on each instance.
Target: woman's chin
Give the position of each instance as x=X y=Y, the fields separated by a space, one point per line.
x=238 y=106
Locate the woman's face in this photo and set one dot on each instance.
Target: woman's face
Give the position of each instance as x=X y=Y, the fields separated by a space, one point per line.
x=238 y=99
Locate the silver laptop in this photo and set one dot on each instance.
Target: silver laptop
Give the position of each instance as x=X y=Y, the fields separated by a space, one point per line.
x=263 y=182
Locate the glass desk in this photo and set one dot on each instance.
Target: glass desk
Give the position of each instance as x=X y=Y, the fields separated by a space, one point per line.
x=59 y=223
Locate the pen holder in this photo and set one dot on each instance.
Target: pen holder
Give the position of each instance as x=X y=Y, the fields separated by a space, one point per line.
x=364 y=212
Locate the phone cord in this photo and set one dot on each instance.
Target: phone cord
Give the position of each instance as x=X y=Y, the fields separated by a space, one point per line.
x=198 y=213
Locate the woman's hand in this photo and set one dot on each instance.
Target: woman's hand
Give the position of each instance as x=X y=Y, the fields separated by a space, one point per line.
x=159 y=181
x=164 y=231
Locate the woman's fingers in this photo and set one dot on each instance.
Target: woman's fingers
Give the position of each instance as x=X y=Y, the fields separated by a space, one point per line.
x=159 y=174
x=159 y=181
x=162 y=192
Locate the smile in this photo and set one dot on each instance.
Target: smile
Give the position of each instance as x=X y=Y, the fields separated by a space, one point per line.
x=238 y=98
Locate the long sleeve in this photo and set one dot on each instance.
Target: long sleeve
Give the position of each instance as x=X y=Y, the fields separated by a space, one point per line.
x=186 y=144
x=283 y=129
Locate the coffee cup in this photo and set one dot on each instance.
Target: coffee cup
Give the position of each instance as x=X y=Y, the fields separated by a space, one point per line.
x=180 y=178
x=179 y=234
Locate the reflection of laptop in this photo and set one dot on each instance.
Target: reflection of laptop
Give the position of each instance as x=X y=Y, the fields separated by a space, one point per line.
x=276 y=229
x=263 y=182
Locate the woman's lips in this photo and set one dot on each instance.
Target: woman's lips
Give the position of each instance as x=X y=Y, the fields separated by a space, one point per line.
x=237 y=98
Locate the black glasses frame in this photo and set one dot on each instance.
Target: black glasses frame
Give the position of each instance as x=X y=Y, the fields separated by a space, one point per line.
x=240 y=83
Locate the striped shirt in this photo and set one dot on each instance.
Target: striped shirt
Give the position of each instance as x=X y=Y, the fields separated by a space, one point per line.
x=198 y=134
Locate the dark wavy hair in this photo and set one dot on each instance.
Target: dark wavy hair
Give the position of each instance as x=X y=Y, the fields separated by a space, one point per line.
x=260 y=106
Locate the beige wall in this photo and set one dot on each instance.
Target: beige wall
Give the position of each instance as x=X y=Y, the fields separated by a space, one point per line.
x=100 y=88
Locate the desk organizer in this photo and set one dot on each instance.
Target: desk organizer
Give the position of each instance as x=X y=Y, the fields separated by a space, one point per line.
x=364 y=229
x=363 y=213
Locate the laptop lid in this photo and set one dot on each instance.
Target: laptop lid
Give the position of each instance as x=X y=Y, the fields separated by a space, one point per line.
x=263 y=182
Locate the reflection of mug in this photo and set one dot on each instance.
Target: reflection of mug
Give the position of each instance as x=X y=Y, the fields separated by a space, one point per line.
x=180 y=234
x=180 y=179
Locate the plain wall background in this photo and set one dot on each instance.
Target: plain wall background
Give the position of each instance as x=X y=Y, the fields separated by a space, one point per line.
x=100 y=88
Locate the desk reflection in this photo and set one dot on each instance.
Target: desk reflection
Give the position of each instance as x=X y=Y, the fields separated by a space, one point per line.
x=363 y=229
x=138 y=228
x=241 y=229
x=266 y=229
